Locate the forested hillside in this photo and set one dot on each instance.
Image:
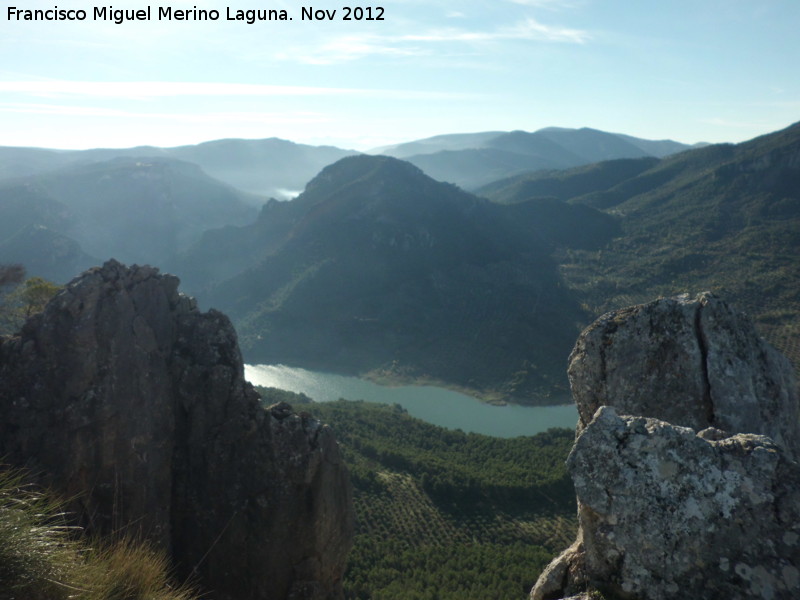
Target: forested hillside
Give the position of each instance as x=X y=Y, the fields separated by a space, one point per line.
x=444 y=514
x=724 y=218
x=378 y=268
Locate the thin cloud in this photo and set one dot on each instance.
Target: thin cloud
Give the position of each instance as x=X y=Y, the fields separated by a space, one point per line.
x=348 y=48
x=162 y=89
x=749 y=124
x=548 y=4
x=202 y=117
x=528 y=29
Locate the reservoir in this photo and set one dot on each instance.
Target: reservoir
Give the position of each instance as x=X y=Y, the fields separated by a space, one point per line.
x=439 y=406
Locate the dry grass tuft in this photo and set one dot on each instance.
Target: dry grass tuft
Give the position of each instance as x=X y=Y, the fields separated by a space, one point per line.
x=42 y=558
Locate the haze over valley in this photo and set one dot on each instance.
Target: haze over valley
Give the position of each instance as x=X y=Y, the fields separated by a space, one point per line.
x=383 y=268
x=490 y=300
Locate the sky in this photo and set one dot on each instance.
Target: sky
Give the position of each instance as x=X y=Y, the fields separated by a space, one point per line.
x=691 y=71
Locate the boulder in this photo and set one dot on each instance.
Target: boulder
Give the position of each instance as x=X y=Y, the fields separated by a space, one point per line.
x=127 y=398
x=692 y=362
x=669 y=513
x=685 y=463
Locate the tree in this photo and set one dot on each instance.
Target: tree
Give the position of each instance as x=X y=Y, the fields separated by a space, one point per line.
x=26 y=299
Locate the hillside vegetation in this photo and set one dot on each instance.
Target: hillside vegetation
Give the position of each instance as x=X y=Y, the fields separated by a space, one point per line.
x=377 y=268
x=444 y=514
x=724 y=218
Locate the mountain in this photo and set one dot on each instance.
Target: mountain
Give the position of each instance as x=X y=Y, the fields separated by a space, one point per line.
x=279 y=168
x=268 y=167
x=564 y=184
x=377 y=268
x=475 y=160
x=437 y=143
x=45 y=253
x=18 y=162
x=473 y=168
x=135 y=209
x=723 y=217
x=31 y=226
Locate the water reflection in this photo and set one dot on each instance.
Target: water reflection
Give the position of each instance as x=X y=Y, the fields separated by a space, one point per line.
x=439 y=406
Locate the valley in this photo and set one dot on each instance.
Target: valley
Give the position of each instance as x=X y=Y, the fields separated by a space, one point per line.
x=377 y=269
x=444 y=514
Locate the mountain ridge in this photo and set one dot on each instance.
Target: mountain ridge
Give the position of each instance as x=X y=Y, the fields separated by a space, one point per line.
x=382 y=268
x=475 y=160
x=135 y=209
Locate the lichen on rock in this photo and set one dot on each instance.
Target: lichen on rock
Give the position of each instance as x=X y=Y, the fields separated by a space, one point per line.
x=685 y=464
x=692 y=362
x=673 y=513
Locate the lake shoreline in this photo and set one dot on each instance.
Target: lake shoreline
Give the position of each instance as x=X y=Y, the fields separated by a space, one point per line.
x=443 y=406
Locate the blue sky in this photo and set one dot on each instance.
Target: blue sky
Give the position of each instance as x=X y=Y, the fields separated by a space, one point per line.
x=700 y=70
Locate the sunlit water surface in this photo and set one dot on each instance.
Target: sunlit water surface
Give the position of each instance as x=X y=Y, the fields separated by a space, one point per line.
x=439 y=406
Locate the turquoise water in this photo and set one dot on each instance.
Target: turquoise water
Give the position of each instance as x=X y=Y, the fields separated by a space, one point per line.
x=439 y=406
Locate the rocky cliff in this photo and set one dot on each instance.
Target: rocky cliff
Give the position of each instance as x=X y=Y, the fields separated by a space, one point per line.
x=685 y=465
x=123 y=395
x=692 y=362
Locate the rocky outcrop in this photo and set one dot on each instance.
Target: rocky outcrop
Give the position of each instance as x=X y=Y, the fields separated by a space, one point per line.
x=707 y=506
x=692 y=362
x=123 y=395
x=669 y=513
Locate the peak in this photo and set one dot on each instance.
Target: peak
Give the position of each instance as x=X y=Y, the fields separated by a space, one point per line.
x=363 y=165
x=365 y=172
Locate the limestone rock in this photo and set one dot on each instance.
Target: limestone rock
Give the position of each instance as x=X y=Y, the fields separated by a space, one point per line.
x=666 y=513
x=696 y=363
x=565 y=574
x=125 y=396
x=697 y=492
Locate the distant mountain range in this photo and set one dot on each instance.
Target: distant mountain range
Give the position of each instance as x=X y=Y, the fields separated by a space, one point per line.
x=268 y=167
x=148 y=204
x=377 y=267
x=141 y=210
x=474 y=160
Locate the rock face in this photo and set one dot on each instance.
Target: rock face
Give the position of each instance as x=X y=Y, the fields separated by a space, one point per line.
x=684 y=509
x=696 y=363
x=125 y=396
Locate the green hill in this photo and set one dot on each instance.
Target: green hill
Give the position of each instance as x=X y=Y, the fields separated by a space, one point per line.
x=724 y=218
x=444 y=514
x=568 y=183
x=378 y=268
